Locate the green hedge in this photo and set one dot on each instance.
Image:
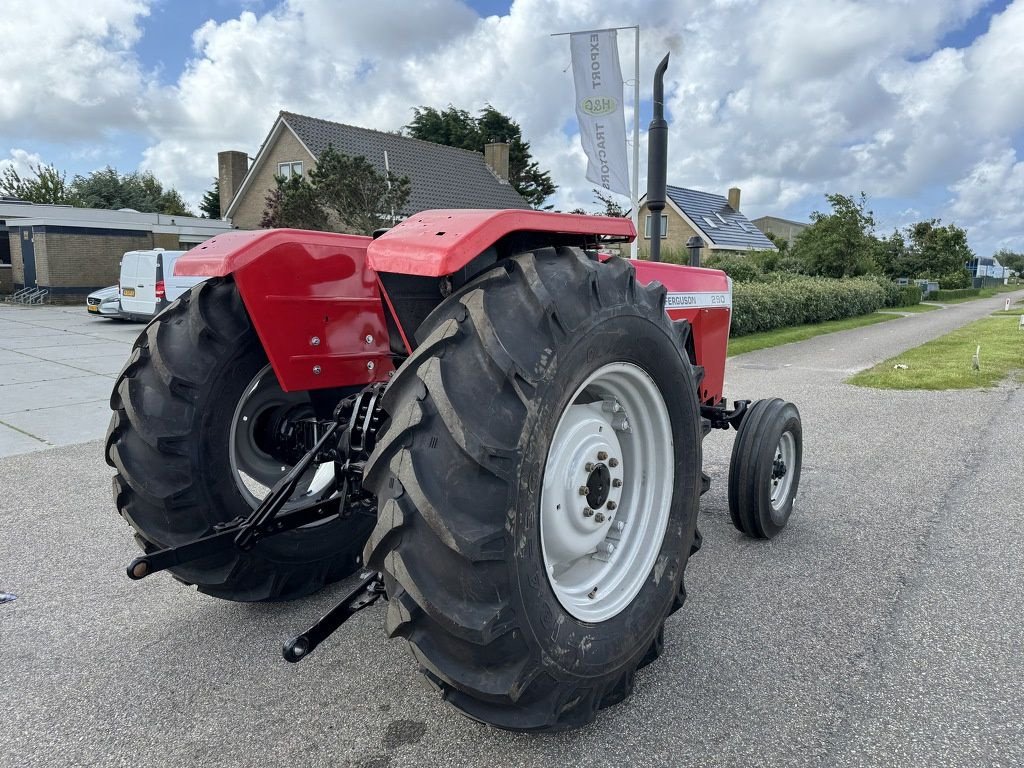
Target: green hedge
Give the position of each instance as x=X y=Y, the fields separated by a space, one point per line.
x=956 y=293
x=766 y=306
x=909 y=296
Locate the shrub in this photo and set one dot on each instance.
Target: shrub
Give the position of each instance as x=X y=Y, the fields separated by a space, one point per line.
x=765 y=306
x=956 y=293
x=889 y=288
x=961 y=278
x=909 y=296
x=739 y=268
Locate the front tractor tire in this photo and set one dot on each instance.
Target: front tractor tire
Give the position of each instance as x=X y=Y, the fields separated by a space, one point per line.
x=537 y=486
x=764 y=470
x=188 y=438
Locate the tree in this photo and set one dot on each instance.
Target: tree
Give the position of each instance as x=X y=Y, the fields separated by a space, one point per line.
x=939 y=251
x=1008 y=258
x=361 y=198
x=294 y=202
x=841 y=243
x=48 y=185
x=458 y=128
x=342 y=194
x=781 y=243
x=612 y=207
x=209 y=206
x=109 y=189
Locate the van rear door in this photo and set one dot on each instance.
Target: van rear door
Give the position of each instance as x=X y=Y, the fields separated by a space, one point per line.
x=138 y=282
x=177 y=284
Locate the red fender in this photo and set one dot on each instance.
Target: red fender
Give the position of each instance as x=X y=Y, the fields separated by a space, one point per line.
x=439 y=243
x=314 y=303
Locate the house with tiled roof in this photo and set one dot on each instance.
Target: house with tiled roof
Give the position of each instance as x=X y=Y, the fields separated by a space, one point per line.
x=715 y=219
x=439 y=176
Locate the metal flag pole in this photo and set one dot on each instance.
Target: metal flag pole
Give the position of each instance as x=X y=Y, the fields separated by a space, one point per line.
x=635 y=196
x=636 y=150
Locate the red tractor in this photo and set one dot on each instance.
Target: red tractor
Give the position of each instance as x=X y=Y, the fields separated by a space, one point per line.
x=502 y=427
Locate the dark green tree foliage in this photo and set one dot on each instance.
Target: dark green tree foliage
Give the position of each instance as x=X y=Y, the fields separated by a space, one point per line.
x=840 y=243
x=359 y=197
x=295 y=203
x=209 y=206
x=342 y=194
x=47 y=185
x=458 y=128
x=143 y=192
x=941 y=252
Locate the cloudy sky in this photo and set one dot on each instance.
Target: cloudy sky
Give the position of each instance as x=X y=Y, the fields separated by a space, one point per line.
x=919 y=103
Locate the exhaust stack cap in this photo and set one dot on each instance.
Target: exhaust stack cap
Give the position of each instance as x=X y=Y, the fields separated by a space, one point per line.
x=657 y=159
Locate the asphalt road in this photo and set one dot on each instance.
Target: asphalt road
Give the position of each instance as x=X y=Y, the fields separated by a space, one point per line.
x=882 y=628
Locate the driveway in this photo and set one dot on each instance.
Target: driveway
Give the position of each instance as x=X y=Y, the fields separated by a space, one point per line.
x=883 y=627
x=57 y=366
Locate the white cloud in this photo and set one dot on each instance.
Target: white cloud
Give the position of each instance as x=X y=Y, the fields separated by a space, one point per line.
x=68 y=68
x=786 y=100
x=21 y=161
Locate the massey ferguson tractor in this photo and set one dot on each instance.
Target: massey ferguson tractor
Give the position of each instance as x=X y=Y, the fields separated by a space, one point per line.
x=498 y=427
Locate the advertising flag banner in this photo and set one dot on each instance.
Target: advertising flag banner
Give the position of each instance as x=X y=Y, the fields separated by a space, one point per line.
x=600 y=108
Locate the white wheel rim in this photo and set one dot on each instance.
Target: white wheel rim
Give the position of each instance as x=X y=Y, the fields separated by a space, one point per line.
x=255 y=471
x=783 y=464
x=595 y=566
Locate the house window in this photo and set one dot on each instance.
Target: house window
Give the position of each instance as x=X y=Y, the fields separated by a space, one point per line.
x=723 y=220
x=710 y=222
x=289 y=169
x=664 y=226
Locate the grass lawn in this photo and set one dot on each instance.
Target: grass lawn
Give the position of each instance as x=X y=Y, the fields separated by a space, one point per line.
x=766 y=339
x=986 y=293
x=945 y=363
x=914 y=308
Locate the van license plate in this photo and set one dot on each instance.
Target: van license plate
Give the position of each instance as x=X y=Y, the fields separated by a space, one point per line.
x=93 y=308
x=128 y=292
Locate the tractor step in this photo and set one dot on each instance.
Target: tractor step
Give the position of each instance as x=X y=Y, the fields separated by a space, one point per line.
x=369 y=590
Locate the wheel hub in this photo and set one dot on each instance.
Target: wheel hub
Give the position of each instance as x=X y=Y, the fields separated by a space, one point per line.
x=607 y=491
x=599 y=483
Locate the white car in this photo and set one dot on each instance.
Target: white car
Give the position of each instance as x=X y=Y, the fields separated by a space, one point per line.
x=104 y=303
x=148 y=283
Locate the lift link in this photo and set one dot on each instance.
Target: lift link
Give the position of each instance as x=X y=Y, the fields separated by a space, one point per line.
x=369 y=590
x=361 y=415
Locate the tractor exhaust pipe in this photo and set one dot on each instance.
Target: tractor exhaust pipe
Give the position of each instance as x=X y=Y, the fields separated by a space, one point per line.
x=657 y=159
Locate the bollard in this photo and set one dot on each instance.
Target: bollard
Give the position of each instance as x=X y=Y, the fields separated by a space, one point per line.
x=1007 y=307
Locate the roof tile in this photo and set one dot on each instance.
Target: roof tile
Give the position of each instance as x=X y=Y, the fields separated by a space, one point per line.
x=439 y=176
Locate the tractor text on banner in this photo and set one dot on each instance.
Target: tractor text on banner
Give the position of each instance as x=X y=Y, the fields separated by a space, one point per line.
x=599 y=107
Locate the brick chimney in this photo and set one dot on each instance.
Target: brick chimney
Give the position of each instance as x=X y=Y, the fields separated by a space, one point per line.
x=734 y=198
x=496 y=156
x=231 y=169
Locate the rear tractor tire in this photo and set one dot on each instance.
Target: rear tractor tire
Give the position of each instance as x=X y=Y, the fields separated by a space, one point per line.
x=764 y=471
x=537 y=486
x=188 y=438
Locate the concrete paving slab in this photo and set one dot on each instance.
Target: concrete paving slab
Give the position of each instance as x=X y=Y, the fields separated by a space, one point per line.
x=44 y=395
x=93 y=349
x=51 y=339
x=109 y=366
x=14 y=441
x=34 y=370
x=65 y=424
x=12 y=356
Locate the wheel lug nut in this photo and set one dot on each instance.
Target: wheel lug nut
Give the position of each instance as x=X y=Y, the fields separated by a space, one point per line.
x=610 y=505
x=599 y=517
x=606 y=547
x=588 y=512
x=589 y=466
x=584 y=490
x=613 y=462
x=616 y=483
x=602 y=455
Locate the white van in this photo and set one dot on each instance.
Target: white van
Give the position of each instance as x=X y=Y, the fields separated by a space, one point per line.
x=148 y=283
